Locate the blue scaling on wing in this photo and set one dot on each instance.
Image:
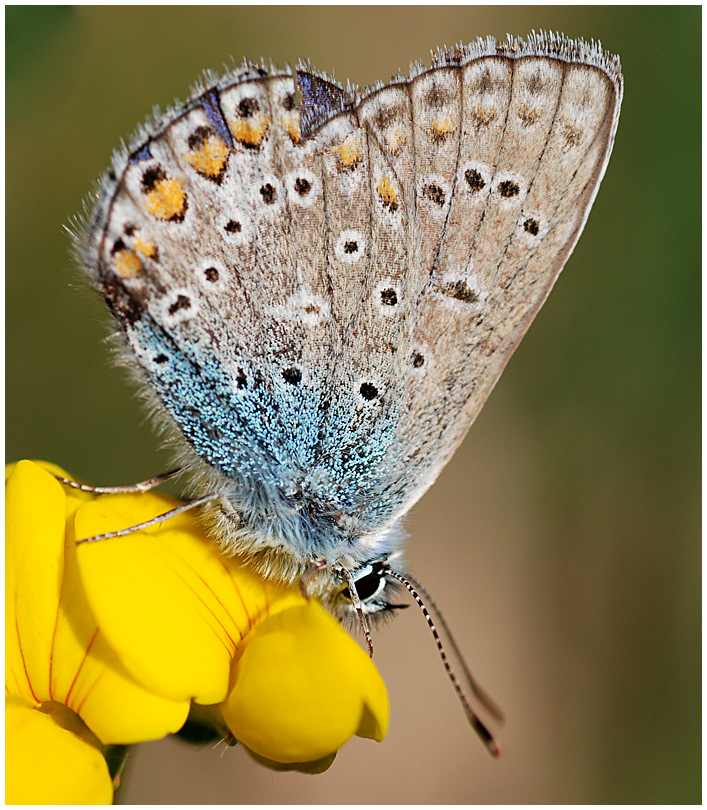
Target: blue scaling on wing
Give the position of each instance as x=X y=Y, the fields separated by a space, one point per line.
x=261 y=441
x=141 y=155
x=321 y=99
x=212 y=108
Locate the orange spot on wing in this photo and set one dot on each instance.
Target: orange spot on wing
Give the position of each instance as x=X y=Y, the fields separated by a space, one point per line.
x=166 y=200
x=349 y=152
x=210 y=158
x=387 y=193
x=442 y=125
x=291 y=125
x=127 y=264
x=483 y=116
x=250 y=133
x=396 y=139
x=146 y=249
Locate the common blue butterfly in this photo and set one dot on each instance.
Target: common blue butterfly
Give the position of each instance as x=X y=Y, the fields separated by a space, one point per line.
x=320 y=287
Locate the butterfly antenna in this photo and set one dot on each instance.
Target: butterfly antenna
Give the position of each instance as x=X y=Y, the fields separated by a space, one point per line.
x=474 y=720
x=480 y=694
x=359 y=610
x=151 y=522
x=356 y=600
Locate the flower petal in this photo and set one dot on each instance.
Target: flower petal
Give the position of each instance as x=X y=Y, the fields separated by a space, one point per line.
x=54 y=648
x=35 y=504
x=302 y=687
x=171 y=605
x=125 y=632
x=46 y=764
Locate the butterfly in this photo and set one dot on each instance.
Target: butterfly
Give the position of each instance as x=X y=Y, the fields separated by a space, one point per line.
x=318 y=287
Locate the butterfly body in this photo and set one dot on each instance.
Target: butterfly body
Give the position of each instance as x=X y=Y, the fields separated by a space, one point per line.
x=320 y=287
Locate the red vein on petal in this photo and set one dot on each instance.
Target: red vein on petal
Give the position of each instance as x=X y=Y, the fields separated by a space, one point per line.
x=198 y=596
x=80 y=667
x=22 y=654
x=228 y=613
x=229 y=635
x=12 y=676
x=89 y=687
x=267 y=600
x=51 y=646
x=239 y=594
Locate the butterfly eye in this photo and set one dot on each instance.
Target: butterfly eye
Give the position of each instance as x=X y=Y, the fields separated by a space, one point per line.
x=369 y=584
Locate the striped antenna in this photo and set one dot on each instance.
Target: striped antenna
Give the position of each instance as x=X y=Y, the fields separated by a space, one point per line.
x=475 y=721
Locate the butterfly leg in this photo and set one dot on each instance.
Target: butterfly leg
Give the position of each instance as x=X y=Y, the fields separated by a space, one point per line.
x=152 y=521
x=317 y=566
x=359 y=610
x=141 y=486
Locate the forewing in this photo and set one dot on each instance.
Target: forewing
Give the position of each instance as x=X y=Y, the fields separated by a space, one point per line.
x=322 y=288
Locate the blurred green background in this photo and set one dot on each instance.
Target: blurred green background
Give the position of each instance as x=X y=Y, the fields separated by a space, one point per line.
x=562 y=541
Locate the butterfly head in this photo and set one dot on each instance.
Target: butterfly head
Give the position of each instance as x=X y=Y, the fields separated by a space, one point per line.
x=377 y=593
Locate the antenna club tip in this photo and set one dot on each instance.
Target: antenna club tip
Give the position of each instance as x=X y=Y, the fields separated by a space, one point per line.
x=494 y=749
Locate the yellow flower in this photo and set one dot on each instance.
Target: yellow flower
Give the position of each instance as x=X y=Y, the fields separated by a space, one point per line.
x=125 y=633
x=287 y=699
x=46 y=763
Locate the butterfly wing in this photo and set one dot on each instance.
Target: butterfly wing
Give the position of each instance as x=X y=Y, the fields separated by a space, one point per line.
x=322 y=289
x=510 y=150
x=476 y=177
